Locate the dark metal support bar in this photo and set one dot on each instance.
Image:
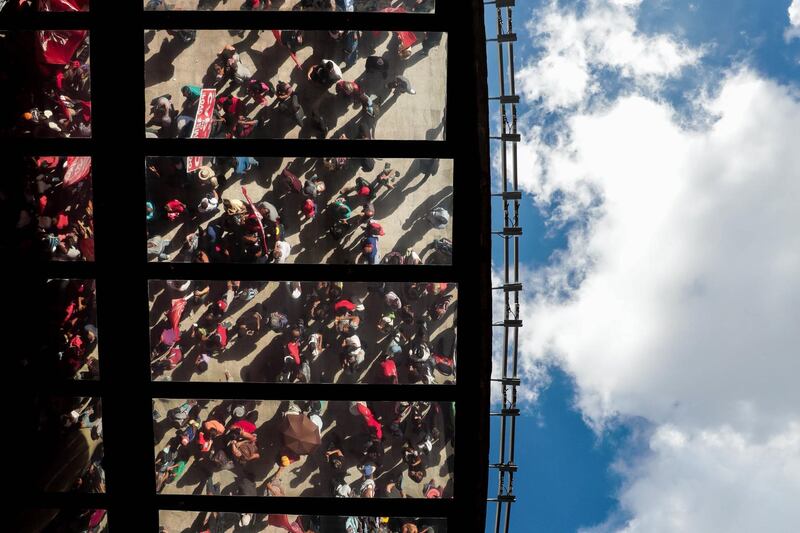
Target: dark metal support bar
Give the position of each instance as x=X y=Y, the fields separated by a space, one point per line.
x=506 y=375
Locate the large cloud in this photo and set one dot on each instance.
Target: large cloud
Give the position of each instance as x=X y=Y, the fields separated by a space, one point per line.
x=712 y=481
x=678 y=296
x=687 y=311
x=603 y=35
x=793 y=31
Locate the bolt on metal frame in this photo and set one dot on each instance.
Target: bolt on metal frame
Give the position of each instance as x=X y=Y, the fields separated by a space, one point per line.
x=506 y=376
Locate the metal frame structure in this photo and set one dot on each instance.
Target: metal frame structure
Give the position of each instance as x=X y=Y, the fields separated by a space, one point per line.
x=506 y=376
x=125 y=386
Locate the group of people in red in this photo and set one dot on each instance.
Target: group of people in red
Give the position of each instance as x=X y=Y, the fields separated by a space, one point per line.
x=46 y=84
x=52 y=209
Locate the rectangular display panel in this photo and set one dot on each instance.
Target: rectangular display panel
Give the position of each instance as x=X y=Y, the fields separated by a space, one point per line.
x=275 y=84
x=304 y=448
x=333 y=210
x=303 y=332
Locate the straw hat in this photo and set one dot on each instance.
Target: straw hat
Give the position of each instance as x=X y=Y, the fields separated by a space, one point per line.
x=205 y=173
x=234 y=206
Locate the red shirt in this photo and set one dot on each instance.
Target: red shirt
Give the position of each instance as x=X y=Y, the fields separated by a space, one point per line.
x=244 y=425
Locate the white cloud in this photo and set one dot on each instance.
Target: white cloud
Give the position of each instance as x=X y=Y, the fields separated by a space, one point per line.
x=689 y=261
x=793 y=31
x=712 y=481
x=678 y=296
x=603 y=36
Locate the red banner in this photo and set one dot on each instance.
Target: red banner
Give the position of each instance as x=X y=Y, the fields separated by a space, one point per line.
x=205 y=114
x=194 y=162
x=77 y=169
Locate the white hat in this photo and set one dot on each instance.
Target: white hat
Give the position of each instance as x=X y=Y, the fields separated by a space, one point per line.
x=205 y=173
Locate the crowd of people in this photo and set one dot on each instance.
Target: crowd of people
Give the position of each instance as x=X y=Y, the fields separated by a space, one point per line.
x=332 y=449
x=222 y=522
x=303 y=331
x=68 y=452
x=347 y=6
x=48 y=211
x=45 y=85
x=62 y=343
x=312 y=202
x=312 y=97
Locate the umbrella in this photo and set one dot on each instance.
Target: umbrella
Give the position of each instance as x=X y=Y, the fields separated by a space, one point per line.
x=300 y=434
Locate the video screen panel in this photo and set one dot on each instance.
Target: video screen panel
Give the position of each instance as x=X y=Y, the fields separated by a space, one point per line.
x=65 y=436
x=276 y=84
x=303 y=332
x=45 y=84
x=48 y=210
x=339 y=6
x=333 y=210
x=313 y=448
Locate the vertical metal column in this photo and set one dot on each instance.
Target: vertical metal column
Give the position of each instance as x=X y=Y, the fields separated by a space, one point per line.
x=510 y=233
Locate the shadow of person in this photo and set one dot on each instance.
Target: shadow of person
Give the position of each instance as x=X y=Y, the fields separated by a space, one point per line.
x=196 y=475
x=267 y=364
x=159 y=67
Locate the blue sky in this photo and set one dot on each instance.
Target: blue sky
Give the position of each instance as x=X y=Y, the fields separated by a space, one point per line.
x=572 y=474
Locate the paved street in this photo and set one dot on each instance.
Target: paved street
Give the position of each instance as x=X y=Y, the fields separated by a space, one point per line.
x=311 y=475
x=169 y=65
x=401 y=211
x=259 y=358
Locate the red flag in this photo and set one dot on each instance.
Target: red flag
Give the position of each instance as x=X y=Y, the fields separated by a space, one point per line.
x=78 y=168
x=178 y=305
x=56 y=47
x=257 y=215
x=63 y=5
x=50 y=161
